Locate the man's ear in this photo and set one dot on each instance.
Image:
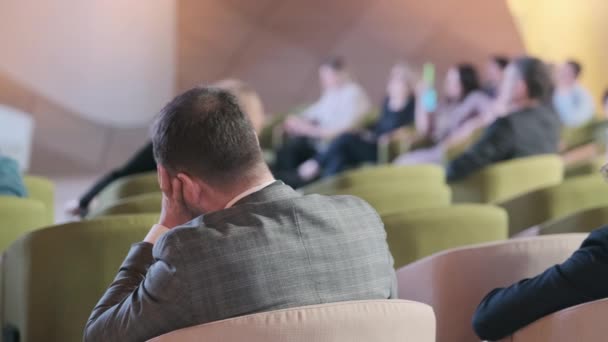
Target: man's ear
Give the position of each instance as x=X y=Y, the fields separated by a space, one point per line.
x=164 y=179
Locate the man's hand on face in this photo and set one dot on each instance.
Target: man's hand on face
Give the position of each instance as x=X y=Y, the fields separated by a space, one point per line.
x=174 y=210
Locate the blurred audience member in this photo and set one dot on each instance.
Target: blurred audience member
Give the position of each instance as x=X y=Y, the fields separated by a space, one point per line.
x=572 y=101
x=494 y=72
x=580 y=279
x=529 y=125
x=605 y=103
x=342 y=106
x=352 y=149
x=463 y=111
x=143 y=160
x=11 y=182
x=231 y=240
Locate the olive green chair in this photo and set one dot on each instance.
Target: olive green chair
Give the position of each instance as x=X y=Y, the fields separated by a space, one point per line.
x=415 y=234
x=130 y=186
x=43 y=190
x=583 y=221
x=587 y=167
x=501 y=181
x=555 y=202
x=19 y=216
x=387 y=198
x=398 y=176
x=52 y=278
x=140 y=204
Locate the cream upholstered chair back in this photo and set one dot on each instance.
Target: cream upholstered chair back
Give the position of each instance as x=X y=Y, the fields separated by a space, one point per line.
x=585 y=322
x=455 y=281
x=358 y=321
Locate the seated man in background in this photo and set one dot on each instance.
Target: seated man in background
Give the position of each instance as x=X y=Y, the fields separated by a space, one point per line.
x=350 y=150
x=580 y=279
x=528 y=126
x=573 y=103
x=231 y=240
x=143 y=160
x=11 y=182
x=342 y=106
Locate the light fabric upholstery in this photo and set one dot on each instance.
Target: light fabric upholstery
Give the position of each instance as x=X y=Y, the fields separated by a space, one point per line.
x=399 y=176
x=583 y=221
x=53 y=277
x=43 y=190
x=415 y=234
x=19 y=216
x=387 y=198
x=585 y=322
x=454 y=282
x=501 y=181
x=554 y=202
x=140 y=204
x=129 y=186
x=360 y=321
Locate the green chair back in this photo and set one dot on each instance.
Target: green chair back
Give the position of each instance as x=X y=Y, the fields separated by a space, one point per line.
x=52 y=278
x=130 y=186
x=577 y=136
x=388 y=198
x=19 y=216
x=583 y=221
x=415 y=234
x=401 y=176
x=43 y=190
x=555 y=202
x=501 y=181
x=140 y=204
x=587 y=167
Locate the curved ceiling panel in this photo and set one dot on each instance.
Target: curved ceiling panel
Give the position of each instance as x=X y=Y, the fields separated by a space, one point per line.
x=276 y=45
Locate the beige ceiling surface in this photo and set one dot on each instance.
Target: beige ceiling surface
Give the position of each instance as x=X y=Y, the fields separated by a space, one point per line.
x=276 y=45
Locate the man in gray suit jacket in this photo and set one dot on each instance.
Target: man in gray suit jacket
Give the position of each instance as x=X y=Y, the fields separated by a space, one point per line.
x=231 y=240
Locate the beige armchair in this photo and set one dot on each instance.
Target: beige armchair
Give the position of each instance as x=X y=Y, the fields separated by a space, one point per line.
x=585 y=322
x=360 y=321
x=454 y=282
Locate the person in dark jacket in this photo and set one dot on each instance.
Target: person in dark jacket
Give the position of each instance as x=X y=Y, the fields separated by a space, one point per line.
x=530 y=126
x=580 y=279
x=352 y=149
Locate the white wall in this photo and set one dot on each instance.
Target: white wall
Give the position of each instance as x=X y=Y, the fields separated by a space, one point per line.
x=112 y=61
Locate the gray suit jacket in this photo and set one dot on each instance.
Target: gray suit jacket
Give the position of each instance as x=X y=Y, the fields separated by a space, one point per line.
x=274 y=249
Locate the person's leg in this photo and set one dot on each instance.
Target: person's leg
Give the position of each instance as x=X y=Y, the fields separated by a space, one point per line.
x=142 y=161
x=294 y=152
x=350 y=151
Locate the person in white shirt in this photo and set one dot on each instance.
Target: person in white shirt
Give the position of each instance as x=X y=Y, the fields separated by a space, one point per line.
x=342 y=106
x=572 y=102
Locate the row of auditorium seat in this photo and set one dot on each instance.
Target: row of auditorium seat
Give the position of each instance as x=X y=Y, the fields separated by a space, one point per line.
x=53 y=277
x=76 y=262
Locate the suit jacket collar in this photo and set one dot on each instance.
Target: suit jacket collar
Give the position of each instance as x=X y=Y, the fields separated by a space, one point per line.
x=275 y=191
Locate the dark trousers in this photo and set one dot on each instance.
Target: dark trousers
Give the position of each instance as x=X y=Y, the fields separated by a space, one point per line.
x=142 y=161
x=345 y=152
x=290 y=156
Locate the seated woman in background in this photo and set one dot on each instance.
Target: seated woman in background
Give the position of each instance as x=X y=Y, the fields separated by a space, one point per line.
x=494 y=73
x=342 y=105
x=353 y=149
x=465 y=108
x=11 y=182
x=143 y=160
x=529 y=126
